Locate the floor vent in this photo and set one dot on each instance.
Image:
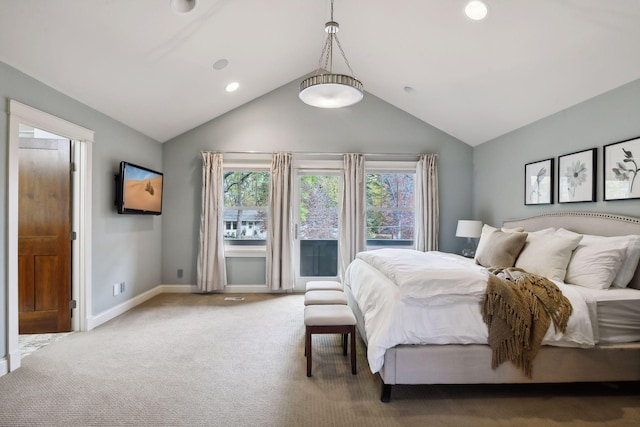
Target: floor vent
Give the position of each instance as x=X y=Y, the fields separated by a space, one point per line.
x=234 y=298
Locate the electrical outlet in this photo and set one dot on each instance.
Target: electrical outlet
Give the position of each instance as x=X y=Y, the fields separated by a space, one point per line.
x=180 y=273
x=116 y=289
x=122 y=287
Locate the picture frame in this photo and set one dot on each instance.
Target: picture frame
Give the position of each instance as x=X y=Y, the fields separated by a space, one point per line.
x=577 y=176
x=621 y=167
x=538 y=182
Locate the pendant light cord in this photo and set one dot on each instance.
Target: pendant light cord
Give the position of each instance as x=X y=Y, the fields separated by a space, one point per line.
x=327 y=50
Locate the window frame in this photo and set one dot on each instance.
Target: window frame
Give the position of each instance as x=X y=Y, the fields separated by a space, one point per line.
x=252 y=244
x=399 y=167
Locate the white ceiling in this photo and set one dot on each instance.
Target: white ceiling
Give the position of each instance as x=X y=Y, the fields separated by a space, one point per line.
x=151 y=69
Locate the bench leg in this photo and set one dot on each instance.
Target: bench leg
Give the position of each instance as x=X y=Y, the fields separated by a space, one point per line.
x=344 y=344
x=307 y=350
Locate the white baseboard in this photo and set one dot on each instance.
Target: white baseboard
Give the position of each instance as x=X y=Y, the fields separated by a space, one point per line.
x=178 y=289
x=121 y=308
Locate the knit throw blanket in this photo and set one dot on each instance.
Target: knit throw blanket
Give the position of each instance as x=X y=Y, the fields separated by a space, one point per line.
x=518 y=308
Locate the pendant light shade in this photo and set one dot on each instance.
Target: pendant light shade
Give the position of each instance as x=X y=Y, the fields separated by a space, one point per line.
x=331 y=91
x=326 y=89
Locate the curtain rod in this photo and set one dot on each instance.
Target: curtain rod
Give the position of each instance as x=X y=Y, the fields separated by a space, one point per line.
x=318 y=154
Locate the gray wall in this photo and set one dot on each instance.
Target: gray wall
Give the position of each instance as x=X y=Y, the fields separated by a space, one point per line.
x=125 y=248
x=499 y=164
x=279 y=121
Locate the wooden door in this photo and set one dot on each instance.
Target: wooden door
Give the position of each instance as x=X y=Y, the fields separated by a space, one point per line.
x=44 y=227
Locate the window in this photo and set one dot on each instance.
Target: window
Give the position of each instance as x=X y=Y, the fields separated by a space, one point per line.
x=390 y=208
x=246 y=196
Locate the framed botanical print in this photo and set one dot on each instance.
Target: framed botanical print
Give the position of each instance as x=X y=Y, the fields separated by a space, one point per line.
x=538 y=182
x=577 y=177
x=621 y=169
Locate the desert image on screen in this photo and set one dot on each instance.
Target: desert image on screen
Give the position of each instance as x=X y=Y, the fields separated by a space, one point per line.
x=142 y=190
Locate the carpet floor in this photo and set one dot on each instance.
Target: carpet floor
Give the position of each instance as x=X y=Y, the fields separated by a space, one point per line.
x=201 y=360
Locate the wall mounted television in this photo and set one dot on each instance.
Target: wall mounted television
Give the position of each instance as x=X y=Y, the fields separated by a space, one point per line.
x=138 y=190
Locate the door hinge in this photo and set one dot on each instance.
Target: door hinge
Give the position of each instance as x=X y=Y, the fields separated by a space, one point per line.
x=73 y=235
x=73 y=304
x=73 y=166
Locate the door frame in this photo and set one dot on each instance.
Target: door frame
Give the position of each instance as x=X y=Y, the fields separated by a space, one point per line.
x=303 y=168
x=82 y=142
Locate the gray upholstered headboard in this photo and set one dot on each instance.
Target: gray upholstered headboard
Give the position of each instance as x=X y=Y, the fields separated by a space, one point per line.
x=600 y=224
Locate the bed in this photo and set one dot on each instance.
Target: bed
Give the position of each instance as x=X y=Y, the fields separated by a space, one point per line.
x=608 y=349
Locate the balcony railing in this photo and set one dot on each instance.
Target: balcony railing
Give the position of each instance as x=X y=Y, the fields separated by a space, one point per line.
x=318 y=258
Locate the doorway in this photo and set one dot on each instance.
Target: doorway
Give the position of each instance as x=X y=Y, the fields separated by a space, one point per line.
x=316 y=225
x=21 y=115
x=44 y=232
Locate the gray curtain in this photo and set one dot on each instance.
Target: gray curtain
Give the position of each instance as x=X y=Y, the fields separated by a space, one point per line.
x=427 y=203
x=353 y=211
x=211 y=269
x=280 y=240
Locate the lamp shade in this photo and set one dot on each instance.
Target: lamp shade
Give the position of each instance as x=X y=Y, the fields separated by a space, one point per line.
x=469 y=228
x=331 y=91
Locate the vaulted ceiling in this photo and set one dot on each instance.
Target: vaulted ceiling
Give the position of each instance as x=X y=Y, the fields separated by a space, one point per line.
x=152 y=69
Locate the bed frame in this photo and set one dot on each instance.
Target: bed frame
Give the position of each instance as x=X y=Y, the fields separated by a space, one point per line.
x=471 y=364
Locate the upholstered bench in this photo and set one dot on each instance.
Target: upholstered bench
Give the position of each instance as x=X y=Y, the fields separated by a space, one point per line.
x=325 y=297
x=330 y=319
x=324 y=285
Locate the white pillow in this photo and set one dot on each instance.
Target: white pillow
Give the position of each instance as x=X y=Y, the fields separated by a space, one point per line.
x=631 y=257
x=544 y=231
x=595 y=265
x=484 y=238
x=566 y=233
x=547 y=254
x=512 y=230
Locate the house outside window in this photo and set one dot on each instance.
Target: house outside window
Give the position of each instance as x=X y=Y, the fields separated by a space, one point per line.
x=246 y=195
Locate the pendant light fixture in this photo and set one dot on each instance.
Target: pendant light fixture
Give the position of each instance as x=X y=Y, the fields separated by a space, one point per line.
x=328 y=90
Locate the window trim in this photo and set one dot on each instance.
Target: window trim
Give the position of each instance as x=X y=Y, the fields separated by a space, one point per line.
x=249 y=166
x=400 y=167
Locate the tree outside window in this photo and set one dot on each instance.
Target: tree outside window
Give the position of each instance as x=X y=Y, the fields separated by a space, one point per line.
x=390 y=208
x=319 y=198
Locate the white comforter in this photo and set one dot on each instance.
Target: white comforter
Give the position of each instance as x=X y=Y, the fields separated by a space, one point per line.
x=425 y=277
x=427 y=306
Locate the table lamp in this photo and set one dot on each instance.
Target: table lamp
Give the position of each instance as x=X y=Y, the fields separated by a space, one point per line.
x=470 y=229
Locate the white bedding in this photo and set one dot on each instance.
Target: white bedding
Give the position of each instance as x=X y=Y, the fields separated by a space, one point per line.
x=617 y=313
x=422 y=277
x=409 y=313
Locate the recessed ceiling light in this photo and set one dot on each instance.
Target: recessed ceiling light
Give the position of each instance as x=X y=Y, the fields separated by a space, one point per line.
x=232 y=87
x=408 y=89
x=220 y=64
x=476 y=10
x=182 y=7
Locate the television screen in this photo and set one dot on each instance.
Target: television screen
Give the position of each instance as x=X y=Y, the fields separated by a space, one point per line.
x=139 y=190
